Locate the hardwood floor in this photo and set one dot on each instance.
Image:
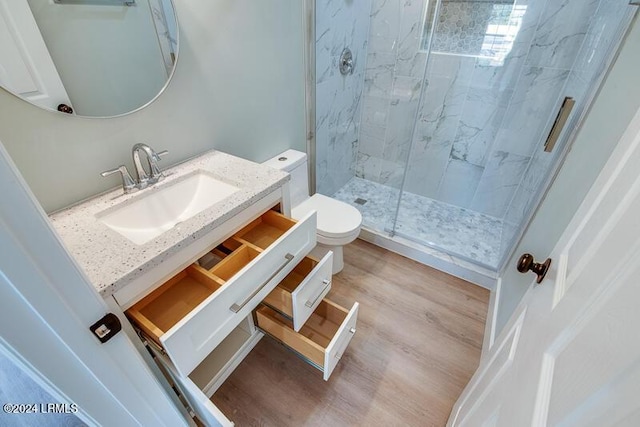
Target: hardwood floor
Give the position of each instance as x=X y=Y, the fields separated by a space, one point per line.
x=417 y=344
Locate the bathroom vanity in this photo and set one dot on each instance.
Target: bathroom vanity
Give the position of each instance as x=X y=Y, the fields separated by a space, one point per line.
x=199 y=296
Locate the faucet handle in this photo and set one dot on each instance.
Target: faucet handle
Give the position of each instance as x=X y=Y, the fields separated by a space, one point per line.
x=128 y=184
x=158 y=156
x=156 y=173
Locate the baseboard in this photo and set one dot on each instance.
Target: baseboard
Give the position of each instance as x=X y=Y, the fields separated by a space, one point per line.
x=439 y=260
x=492 y=315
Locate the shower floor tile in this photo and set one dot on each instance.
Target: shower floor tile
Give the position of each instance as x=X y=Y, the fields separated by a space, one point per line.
x=453 y=229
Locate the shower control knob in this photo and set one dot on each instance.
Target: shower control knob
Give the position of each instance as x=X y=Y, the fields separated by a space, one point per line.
x=527 y=263
x=346 y=62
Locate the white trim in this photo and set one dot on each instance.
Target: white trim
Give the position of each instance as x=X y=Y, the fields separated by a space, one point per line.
x=47 y=294
x=439 y=260
x=309 y=54
x=492 y=320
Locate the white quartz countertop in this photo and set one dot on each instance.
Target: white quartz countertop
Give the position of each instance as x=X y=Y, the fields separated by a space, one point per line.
x=111 y=261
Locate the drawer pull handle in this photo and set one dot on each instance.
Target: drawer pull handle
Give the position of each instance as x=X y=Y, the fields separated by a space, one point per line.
x=326 y=283
x=237 y=307
x=351 y=331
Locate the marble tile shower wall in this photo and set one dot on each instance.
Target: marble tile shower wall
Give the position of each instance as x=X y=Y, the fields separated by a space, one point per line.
x=466 y=100
x=483 y=116
x=339 y=24
x=466 y=96
x=393 y=81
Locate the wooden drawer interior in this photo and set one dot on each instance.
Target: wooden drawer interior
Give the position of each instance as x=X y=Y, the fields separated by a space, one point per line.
x=159 y=311
x=156 y=313
x=234 y=262
x=314 y=337
x=265 y=230
x=280 y=298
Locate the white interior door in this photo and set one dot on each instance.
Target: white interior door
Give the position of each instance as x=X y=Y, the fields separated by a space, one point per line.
x=26 y=68
x=46 y=308
x=570 y=355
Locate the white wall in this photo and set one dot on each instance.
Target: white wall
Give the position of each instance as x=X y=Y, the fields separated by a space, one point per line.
x=610 y=115
x=108 y=57
x=238 y=87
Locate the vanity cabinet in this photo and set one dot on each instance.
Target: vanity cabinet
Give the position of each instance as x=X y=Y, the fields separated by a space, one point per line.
x=202 y=321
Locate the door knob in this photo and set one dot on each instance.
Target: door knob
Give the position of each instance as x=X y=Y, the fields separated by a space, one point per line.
x=527 y=263
x=64 y=108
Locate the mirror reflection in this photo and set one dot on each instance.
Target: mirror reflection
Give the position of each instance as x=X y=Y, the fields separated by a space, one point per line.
x=88 y=59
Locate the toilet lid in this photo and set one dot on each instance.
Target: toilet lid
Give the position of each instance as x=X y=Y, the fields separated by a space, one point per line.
x=335 y=218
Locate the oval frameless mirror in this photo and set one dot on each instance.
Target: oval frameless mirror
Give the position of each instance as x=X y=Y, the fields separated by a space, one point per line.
x=92 y=58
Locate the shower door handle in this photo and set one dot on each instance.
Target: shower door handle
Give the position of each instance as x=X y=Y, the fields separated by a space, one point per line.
x=559 y=124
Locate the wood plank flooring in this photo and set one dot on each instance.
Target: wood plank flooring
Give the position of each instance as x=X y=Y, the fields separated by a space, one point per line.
x=417 y=344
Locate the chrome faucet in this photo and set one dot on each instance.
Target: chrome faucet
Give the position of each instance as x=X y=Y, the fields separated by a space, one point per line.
x=153 y=158
x=129 y=185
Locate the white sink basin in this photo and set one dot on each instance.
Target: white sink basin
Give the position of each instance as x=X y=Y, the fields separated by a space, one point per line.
x=150 y=215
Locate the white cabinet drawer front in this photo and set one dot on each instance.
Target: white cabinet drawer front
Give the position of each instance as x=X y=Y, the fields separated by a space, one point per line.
x=300 y=293
x=194 y=311
x=340 y=342
x=306 y=298
x=322 y=340
x=198 y=333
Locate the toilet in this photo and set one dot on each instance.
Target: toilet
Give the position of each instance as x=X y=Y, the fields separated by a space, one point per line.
x=338 y=222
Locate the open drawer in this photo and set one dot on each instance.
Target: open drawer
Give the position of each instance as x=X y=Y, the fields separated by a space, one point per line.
x=207 y=413
x=192 y=313
x=323 y=338
x=302 y=290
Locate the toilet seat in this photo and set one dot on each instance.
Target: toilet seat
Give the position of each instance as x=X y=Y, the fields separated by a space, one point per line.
x=338 y=222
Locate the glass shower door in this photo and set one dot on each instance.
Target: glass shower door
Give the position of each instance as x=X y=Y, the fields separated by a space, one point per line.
x=393 y=84
x=351 y=108
x=393 y=78
x=497 y=73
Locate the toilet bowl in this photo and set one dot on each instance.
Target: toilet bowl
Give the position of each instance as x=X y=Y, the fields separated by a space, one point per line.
x=338 y=222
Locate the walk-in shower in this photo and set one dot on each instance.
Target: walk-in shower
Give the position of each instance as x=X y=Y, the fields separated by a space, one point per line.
x=438 y=134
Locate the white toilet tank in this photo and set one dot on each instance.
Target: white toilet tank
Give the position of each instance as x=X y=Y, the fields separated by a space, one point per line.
x=294 y=162
x=338 y=222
